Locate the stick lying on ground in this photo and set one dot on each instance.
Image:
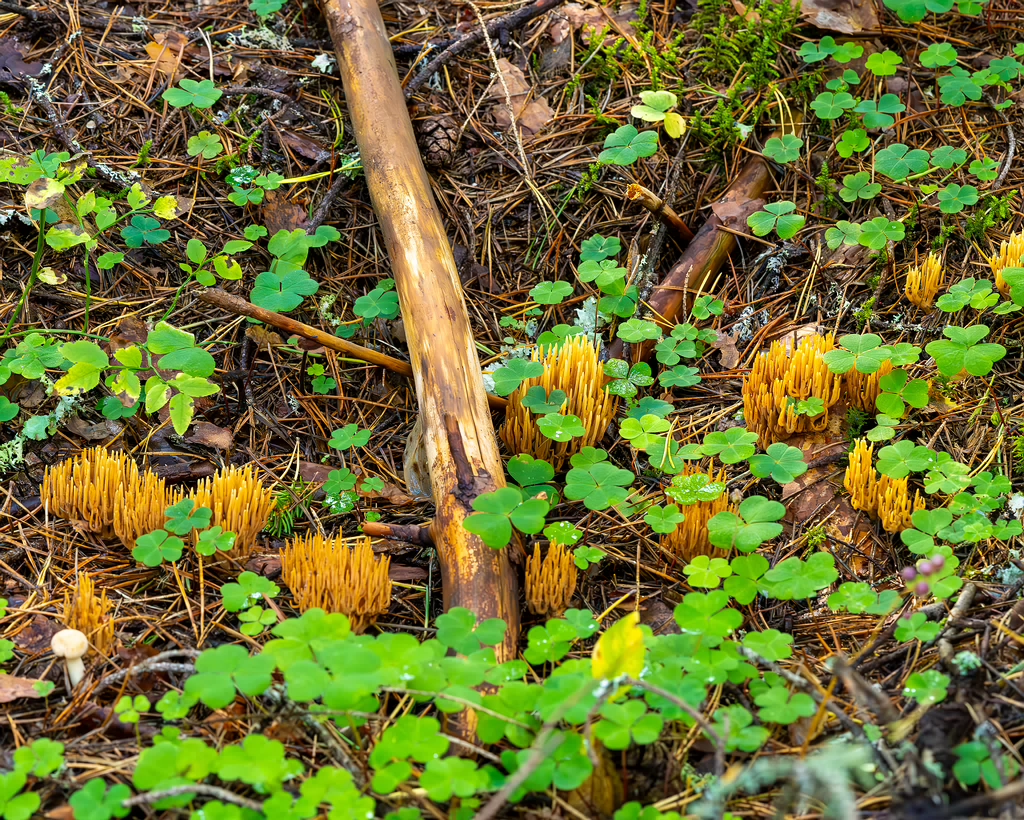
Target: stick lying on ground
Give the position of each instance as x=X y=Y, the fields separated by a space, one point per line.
x=656 y=205
x=235 y=304
x=707 y=252
x=462 y=450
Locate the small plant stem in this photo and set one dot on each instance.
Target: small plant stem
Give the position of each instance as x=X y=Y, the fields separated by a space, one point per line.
x=36 y=260
x=541 y=749
x=193 y=788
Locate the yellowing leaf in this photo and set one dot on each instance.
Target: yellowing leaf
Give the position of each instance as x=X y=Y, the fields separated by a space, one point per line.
x=51 y=277
x=43 y=193
x=620 y=650
x=66 y=235
x=675 y=125
x=166 y=207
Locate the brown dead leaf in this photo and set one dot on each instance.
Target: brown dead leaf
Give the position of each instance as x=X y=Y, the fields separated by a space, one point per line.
x=559 y=30
x=93 y=432
x=304 y=146
x=404 y=574
x=843 y=16
x=61 y=813
x=603 y=793
x=12 y=688
x=390 y=493
x=313 y=473
x=746 y=13
x=797 y=335
x=515 y=80
x=12 y=63
x=281 y=214
x=264 y=339
x=269 y=566
x=535 y=116
x=167 y=51
x=210 y=435
x=726 y=345
x=532 y=115
x=130 y=331
x=590 y=21
x=37 y=637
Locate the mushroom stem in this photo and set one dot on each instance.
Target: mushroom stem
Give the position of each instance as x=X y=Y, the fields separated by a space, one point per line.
x=76 y=670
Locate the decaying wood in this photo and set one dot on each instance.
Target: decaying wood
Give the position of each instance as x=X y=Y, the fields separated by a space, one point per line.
x=235 y=304
x=707 y=251
x=462 y=450
x=657 y=206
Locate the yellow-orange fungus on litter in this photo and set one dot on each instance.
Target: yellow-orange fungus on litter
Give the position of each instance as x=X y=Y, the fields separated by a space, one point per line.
x=884 y=498
x=139 y=507
x=84 y=488
x=690 y=538
x=89 y=613
x=924 y=282
x=1011 y=255
x=551 y=581
x=863 y=388
x=575 y=368
x=241 y=504
x=337 y=575
x=780 y=378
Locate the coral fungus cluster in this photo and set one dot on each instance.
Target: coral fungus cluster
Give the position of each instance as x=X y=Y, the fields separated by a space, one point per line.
x=780 y=378
x=337 y=575
x=884 y=498
x=573 y=367
x=1011 y=255
x=924 y=282
x=89 y=613
x=551 y=581
x=690 y=538
x=108 y=495
x=84 y=488
x=241 y=504
x=863 y=388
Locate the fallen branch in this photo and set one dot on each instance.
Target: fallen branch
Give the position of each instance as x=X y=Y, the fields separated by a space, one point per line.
x=517 y=18
x=235 y=304
x=409 y=533
x=656 y=205
x=459 y=440
x=707 y=251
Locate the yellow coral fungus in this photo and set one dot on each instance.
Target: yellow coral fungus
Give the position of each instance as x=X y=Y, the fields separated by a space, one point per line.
x=575 y=368
x=241 y=504
x=551 y=581
x=90 y=614
x=860 y=478
x=1011 y=255
x=893 y=506
x=779 y=379
x=882 y=497
x=863 y=388
x=84 y=488
x=690 y=538
x=338 y=575
x=139 y=507
x=924 y=282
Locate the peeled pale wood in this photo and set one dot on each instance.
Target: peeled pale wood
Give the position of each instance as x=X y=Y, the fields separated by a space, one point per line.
x=462 y=451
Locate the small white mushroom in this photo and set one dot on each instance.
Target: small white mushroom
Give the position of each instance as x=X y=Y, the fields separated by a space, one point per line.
x=71 y=645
